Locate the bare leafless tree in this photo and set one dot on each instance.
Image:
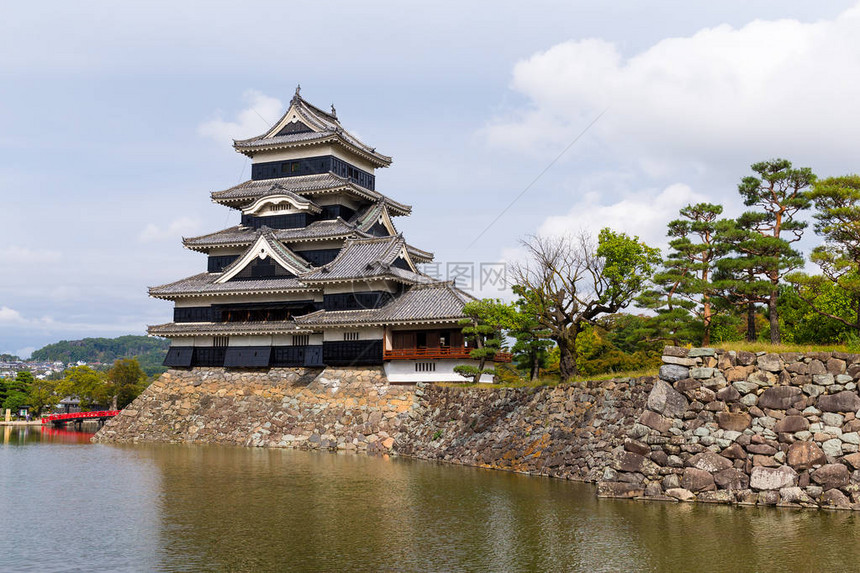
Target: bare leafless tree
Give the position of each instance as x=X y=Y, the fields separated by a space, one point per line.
x=571 y=281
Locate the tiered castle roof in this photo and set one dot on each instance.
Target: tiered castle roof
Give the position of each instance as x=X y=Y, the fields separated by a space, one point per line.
x=335 y=237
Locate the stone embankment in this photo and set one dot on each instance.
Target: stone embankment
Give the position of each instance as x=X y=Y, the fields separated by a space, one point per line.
x=567 y=431
x=333 y=409
x=715 y=426
x=739 y=427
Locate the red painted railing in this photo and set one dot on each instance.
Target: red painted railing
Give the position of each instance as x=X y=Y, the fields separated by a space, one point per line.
x=79 y=416
x=443 y=352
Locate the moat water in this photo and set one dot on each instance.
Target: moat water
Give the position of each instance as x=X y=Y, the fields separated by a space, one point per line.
x=68 y=505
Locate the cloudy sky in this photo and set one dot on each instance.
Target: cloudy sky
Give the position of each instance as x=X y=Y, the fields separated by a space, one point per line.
x=116 y=120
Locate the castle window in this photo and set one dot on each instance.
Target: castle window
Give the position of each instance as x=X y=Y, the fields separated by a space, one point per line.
x=350 y=335
x=301 y=339
x=425 y=367
x=221 y=341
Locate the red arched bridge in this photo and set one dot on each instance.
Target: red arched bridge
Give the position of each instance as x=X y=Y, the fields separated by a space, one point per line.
x=79 y=417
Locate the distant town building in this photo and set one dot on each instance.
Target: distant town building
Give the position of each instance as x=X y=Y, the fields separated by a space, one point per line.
x=316 y=273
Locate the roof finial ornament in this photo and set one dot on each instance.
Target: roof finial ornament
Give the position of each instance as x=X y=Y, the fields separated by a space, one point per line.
x=298 y=94
x=333 y=111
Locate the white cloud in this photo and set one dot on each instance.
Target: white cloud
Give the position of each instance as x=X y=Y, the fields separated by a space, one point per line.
x=10 y=316
x=769 y=88
x=262 y=112
x=643 y=214
x=181 y=227
x=15 y=255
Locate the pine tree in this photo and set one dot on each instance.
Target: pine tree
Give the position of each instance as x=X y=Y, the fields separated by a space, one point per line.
x=685 y=283
x=531 y=349
x=762 y=239
x=837 y=202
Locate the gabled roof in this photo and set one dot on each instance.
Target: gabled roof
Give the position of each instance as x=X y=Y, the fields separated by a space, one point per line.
x=247 y=192
x=265 y=246
x=304 y=124
x=428 y=303
x=279 y=196
x=368 y=258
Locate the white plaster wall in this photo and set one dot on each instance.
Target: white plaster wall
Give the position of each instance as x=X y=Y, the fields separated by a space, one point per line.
x=204 y=341
x=365 y=333
x=182 y=341
x=404 y=371
x=287 y=339
x=255 y=340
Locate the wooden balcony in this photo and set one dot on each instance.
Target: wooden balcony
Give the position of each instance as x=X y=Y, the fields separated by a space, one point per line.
x=458 y=353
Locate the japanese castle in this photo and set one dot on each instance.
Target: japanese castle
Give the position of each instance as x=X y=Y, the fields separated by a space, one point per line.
x=315 y=274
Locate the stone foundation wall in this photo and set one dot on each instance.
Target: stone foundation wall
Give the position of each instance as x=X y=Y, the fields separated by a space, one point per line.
x=569 y=431
x=334 y=409
x=715 y=426
x=738 y=427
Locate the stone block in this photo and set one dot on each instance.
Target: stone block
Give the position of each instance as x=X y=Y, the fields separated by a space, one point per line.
x=791 y=424
x=831 y=475
x=728 y=394
x=735 y=452
x=637 y=447
x=738 y=373
x=732 y=479
x=835 y=366
x=676 y=351
x=710 y=462
x=680 y=361
x=769 y=362
x=702 y=373
x=619 y=489
x=805 y=455
x=665 y=400
x=763 y=478
x=735 y=421
x=852 y=460
x=778 y=397
x=832 y=447
x=745 y=358
x=845 y=401
x=655 y=421
x=673 y=372
x=629 y=462
x=697 y=480
x=745 y=387
x=835 y=498
x=699 y=352
x=681 y=494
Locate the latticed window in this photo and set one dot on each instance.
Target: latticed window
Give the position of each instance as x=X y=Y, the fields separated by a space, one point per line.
x=221 y=341
x=301 y=339
x=350 y=335
x=425 y=367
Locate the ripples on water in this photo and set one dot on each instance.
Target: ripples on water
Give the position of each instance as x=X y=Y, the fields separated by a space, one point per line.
x=73 y=506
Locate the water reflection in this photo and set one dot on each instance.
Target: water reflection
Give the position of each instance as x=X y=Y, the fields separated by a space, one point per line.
x=183 y=508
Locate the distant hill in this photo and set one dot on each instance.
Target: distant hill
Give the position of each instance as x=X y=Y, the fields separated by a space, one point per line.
x=150 y=352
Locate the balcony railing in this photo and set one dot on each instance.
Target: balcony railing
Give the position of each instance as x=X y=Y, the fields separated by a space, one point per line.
x=442 y=352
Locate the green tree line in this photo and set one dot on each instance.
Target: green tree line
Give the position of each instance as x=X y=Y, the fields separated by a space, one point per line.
x=114 y=388
x=148 y=351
